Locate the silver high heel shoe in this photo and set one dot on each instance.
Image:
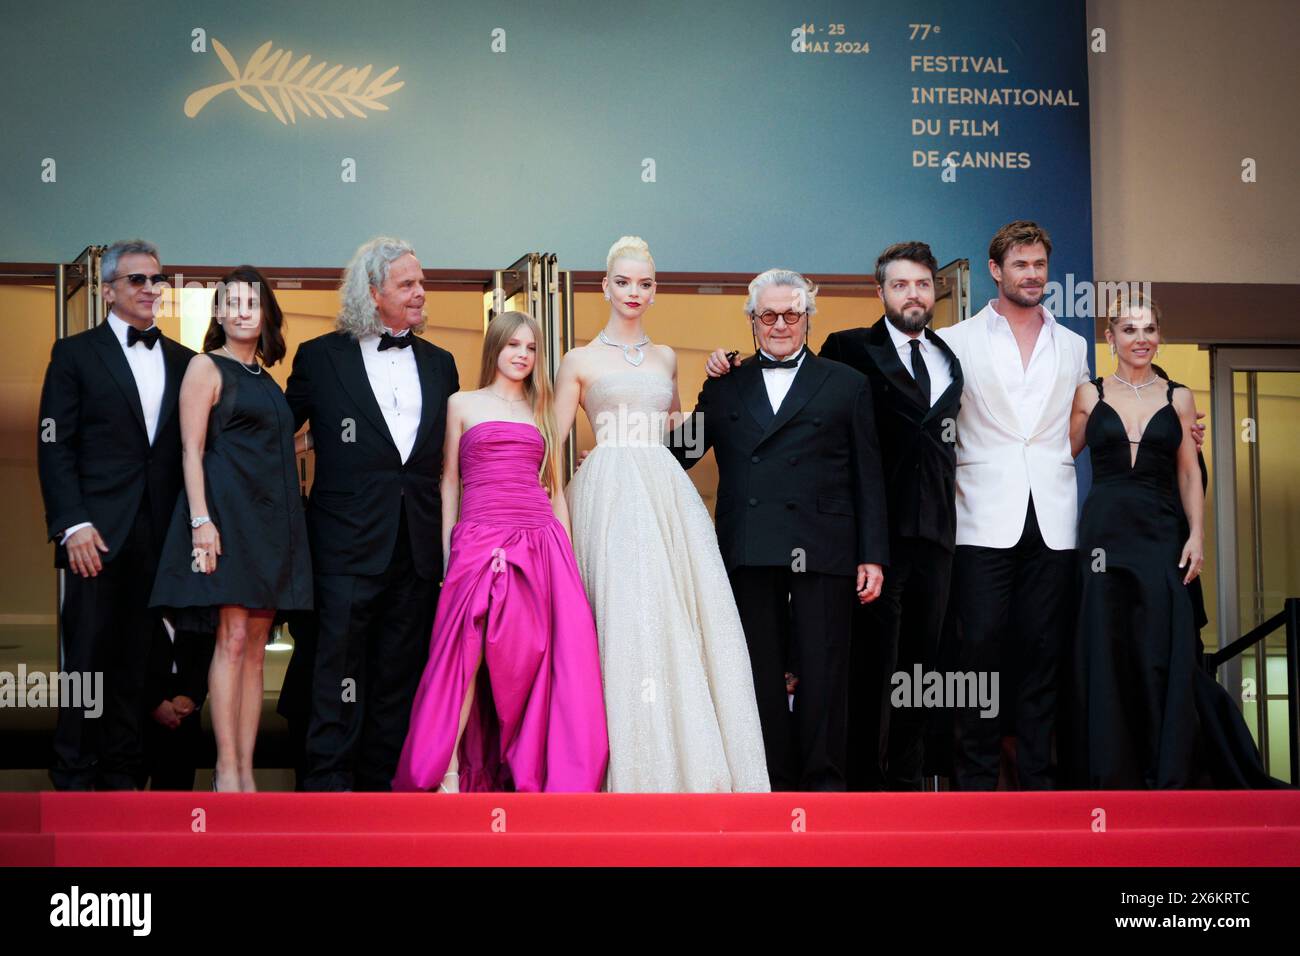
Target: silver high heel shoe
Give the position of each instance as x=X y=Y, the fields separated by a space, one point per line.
x=454 y=777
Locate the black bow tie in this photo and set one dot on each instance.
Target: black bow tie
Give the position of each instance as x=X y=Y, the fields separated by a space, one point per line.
x=149 y=336
x=792 y=362
x=390 y=341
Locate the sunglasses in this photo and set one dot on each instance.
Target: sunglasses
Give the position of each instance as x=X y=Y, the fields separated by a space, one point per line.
x=769 y=317
x=138 y=279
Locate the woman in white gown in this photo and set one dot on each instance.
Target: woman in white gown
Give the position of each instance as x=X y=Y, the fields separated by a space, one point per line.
x=679 y=692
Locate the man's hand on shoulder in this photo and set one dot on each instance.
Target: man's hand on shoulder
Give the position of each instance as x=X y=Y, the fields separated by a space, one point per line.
x=720 y=363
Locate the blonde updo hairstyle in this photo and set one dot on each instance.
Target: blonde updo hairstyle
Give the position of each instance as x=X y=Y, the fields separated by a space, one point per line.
x=628 y=247
x=1129 y=300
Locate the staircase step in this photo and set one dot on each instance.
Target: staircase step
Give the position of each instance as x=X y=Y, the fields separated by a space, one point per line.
x=990 y=848
x=160 y=812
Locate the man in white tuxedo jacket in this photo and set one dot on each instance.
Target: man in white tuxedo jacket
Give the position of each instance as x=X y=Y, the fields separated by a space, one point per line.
x=1013 y=571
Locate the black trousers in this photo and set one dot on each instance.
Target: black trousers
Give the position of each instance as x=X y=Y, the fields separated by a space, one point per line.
x=895 y=632
x=294 y=704
x=171 y=757
x=372 y=642
x=1014 y=609
x=804 y=620
x=108 y=628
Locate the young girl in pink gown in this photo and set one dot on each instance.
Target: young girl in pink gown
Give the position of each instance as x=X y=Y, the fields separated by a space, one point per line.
x=511 y=698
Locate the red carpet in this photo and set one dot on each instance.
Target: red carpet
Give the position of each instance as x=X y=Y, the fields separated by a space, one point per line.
x=945 y=829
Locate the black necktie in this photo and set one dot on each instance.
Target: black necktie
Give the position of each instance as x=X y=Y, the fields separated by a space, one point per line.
x=149 y=336
x=920 y=372
x=390 y=341
x=792 y=362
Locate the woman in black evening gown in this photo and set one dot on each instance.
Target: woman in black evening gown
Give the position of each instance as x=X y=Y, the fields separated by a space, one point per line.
x=1139 y=712
x=236 y=551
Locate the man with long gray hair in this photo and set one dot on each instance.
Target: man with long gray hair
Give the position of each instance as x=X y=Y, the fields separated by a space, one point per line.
x=375 y=394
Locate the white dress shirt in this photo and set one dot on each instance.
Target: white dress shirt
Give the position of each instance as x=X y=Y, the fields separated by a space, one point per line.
x=936 y=363
x=1027 y=385
x=395 y=380
x=149 y=370
x=1002 y=464
x=778 y=380
x=150 y=373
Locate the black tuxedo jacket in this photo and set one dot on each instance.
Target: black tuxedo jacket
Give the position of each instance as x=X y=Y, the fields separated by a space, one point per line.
x=920 y=466
x=805 y=478
x=99 y=462
x=360 y=481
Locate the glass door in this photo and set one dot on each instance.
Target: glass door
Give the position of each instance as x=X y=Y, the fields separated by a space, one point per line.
x=78 y=306
x=952 y=294
x=1256 y=395
x=535 y=284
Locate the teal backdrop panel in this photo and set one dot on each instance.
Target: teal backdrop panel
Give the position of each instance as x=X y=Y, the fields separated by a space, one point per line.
x=552 y=126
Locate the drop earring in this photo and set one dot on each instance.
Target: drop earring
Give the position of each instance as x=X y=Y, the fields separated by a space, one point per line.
x=606 y=296
x=1112 y=350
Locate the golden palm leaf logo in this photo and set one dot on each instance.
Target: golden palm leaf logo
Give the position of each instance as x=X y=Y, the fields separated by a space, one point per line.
x=286 y=90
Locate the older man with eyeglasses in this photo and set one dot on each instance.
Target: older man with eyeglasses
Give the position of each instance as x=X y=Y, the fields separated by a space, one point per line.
x=109 y=458
x=801 y=523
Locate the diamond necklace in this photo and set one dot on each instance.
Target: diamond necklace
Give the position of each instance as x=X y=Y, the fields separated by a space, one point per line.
x=628 y=349
x=1137 y=389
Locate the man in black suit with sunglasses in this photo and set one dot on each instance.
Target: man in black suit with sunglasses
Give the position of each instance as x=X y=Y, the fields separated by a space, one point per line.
x=109 y=460
x=801 y=522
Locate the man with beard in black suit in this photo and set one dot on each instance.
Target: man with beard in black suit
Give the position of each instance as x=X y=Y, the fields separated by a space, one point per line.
x=916 y=384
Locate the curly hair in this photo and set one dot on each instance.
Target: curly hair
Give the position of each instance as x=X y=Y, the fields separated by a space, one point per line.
x=368 y=269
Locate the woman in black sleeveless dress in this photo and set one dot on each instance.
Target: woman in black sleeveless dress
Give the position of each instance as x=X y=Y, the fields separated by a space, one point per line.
x=1139 y=713
x=236 y=551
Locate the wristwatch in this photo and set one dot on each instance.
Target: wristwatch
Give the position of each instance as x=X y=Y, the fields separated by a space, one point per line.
x=199 y=521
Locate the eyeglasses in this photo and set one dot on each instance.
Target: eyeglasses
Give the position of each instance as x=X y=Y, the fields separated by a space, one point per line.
x=138 y=279
x=769 y=317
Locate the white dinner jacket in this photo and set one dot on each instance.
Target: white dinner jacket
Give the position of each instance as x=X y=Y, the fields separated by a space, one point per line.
x=998 y=462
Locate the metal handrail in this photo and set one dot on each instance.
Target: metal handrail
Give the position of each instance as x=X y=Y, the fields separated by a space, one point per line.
x=1288 y=617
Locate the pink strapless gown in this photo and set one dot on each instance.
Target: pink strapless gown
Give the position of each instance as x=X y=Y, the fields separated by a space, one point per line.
x=512 y=588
